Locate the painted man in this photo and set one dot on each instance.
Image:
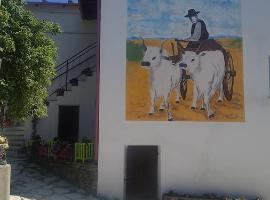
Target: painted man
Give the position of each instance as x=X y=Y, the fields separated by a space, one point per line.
x=199 y=40
x=198 y=30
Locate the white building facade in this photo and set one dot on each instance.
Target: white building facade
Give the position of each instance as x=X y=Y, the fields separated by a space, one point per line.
x=77 y=47
x=192 y=157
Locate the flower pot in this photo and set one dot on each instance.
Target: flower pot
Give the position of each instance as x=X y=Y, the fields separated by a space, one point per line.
x=5 y=171
x=87 y=72
x=74 y=82
x=60 y=92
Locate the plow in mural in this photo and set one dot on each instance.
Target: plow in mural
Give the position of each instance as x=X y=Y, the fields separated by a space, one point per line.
x=184 y=61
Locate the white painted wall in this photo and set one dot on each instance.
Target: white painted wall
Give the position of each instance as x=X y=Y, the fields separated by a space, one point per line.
x=194 y=157
x=83 y=96
x=77 y=34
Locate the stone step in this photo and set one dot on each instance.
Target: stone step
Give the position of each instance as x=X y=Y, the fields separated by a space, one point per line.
x=15 y=136
x=16 y=140
x=14 y=148
x=14 y=133
x=19 y=149
x=11 y=155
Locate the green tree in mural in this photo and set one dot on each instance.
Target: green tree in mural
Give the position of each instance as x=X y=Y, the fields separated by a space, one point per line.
x=28 y=61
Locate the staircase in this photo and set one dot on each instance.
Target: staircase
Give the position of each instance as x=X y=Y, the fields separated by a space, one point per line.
x=16 y=140
x=72 y=71
x=68 y=81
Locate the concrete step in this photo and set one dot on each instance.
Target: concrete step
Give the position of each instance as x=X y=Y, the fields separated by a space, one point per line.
x=16 y=140
x=12 y=129
x=16 y=146
x=13 y=132
x=52 y=98
x=15 y=155
x=82 y=78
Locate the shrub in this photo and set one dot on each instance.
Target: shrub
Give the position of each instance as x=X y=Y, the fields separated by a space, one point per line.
x=134 y=51
x=3 y=147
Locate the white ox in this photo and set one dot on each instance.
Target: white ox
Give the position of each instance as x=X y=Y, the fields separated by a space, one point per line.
x=164 y=77
x=207 y=70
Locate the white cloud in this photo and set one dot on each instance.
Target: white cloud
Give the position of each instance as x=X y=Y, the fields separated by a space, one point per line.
x=165 y=18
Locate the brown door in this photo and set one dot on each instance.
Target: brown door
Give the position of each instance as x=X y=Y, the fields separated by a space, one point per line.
x=68 y=124
x=141 y=172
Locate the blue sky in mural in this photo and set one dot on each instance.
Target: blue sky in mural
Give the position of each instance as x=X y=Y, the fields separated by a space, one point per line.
x=165 y=18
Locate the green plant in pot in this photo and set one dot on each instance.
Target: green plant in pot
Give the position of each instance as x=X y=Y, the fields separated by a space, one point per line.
x=3 y=148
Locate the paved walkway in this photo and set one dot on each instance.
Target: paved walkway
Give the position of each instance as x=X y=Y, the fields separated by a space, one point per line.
x=31 y=182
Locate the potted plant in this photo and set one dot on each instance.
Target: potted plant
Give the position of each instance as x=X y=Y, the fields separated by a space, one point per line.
x=60 y=92
x=36 y=143
x=87 y=72
x=74 y=82
x=3 y=148
x=5 y=170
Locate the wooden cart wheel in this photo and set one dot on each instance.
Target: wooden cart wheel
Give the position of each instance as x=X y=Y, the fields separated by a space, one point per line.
x=183 y=85
x=228 y=80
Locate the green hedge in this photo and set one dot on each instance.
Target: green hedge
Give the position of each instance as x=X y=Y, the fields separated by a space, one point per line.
x=134 y=51
x=236 y=43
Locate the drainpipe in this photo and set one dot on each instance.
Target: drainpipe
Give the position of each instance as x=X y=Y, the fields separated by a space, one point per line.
x=97 y=79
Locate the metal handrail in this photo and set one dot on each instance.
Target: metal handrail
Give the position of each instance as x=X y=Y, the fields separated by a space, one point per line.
x=77 y=55
x=92 y=67
x=68 y=62
x=68 y=67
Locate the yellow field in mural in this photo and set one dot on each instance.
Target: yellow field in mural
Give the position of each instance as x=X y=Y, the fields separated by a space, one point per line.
x=138 y=101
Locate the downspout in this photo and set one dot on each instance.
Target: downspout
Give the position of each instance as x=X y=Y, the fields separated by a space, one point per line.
x=97 y=79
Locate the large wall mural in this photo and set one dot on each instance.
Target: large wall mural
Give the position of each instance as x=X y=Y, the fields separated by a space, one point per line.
x=184 y=61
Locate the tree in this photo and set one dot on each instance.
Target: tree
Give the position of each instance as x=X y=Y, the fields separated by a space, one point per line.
x=28 y=61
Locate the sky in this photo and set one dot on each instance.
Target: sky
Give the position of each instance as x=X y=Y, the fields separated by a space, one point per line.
x=53 y=1
x=165 y=18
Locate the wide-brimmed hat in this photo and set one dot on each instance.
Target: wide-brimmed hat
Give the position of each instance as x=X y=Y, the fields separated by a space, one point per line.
x=192 y=12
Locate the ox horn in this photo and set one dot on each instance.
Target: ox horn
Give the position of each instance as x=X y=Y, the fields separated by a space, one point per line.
x=172 y=45
x=180 y=49
x=162 y=46
x=143 y=45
